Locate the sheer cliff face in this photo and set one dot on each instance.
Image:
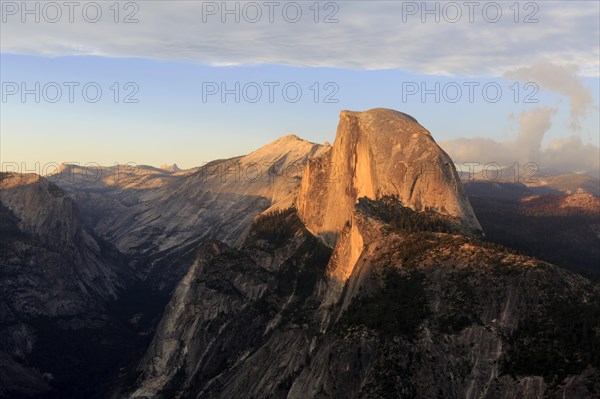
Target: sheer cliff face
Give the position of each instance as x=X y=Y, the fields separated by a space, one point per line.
x=56 y=281
x=146 y=210
x=158 y=215
x=408 y=303
x=422 y=315
x=376 y=153
x=229 y=304
x=64 y=269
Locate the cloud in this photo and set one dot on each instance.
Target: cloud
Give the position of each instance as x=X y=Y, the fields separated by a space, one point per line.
x=525 y=148
x=368 y=35
x=561 y=79
x=567 y=154
x=571 y=154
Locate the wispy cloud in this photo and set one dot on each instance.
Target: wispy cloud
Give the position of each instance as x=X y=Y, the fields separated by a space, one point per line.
x=368 y=35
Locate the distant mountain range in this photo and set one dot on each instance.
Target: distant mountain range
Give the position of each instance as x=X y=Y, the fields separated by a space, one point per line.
x=359 y=269
x=571 y=183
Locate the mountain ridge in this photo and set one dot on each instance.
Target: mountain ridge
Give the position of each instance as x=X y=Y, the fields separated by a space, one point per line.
x=409 y=301
x=157 y=216
x=58 y=281
x=299 y=270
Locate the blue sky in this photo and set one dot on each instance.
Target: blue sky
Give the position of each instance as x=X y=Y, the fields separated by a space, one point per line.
x=170 y=58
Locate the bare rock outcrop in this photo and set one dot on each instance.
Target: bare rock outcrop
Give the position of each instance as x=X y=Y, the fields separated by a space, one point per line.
x=422 y=314
x=411 y=301
x=377 y=153
x=57 y=282
x=160 y=218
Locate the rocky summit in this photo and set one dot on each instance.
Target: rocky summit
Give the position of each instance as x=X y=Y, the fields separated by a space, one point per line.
x=377 y=153
x=352 y=270
x=369 y=287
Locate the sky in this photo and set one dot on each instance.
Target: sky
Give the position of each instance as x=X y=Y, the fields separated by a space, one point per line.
x=186 y=82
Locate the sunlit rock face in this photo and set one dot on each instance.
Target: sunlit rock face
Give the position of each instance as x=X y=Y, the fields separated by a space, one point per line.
x=376 y=153
x=159 y=216
x=405 y=300
x=395 y=295
x=142 y=209
x=418 y=315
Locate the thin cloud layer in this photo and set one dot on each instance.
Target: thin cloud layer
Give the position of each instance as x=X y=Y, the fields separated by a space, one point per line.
x=365 y=36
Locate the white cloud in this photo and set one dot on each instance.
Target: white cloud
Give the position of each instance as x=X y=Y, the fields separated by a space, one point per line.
x=525 y=148
x=369 y=35
x=561 y=79
x=568 y=154
x=572 y=154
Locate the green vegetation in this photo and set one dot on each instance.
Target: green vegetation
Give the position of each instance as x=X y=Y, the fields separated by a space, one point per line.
x=562 y=340
x=318 y=255
x=566 y=241
x=278 y=226
x=54 y=190
x=461 y=303
x=413 y=247
x=299 y=275
x=397 y=308
x=9 y=225
x=392 y=375
x=400 y=218
x=300 y=272
x=67 y=354
x=550 y=205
